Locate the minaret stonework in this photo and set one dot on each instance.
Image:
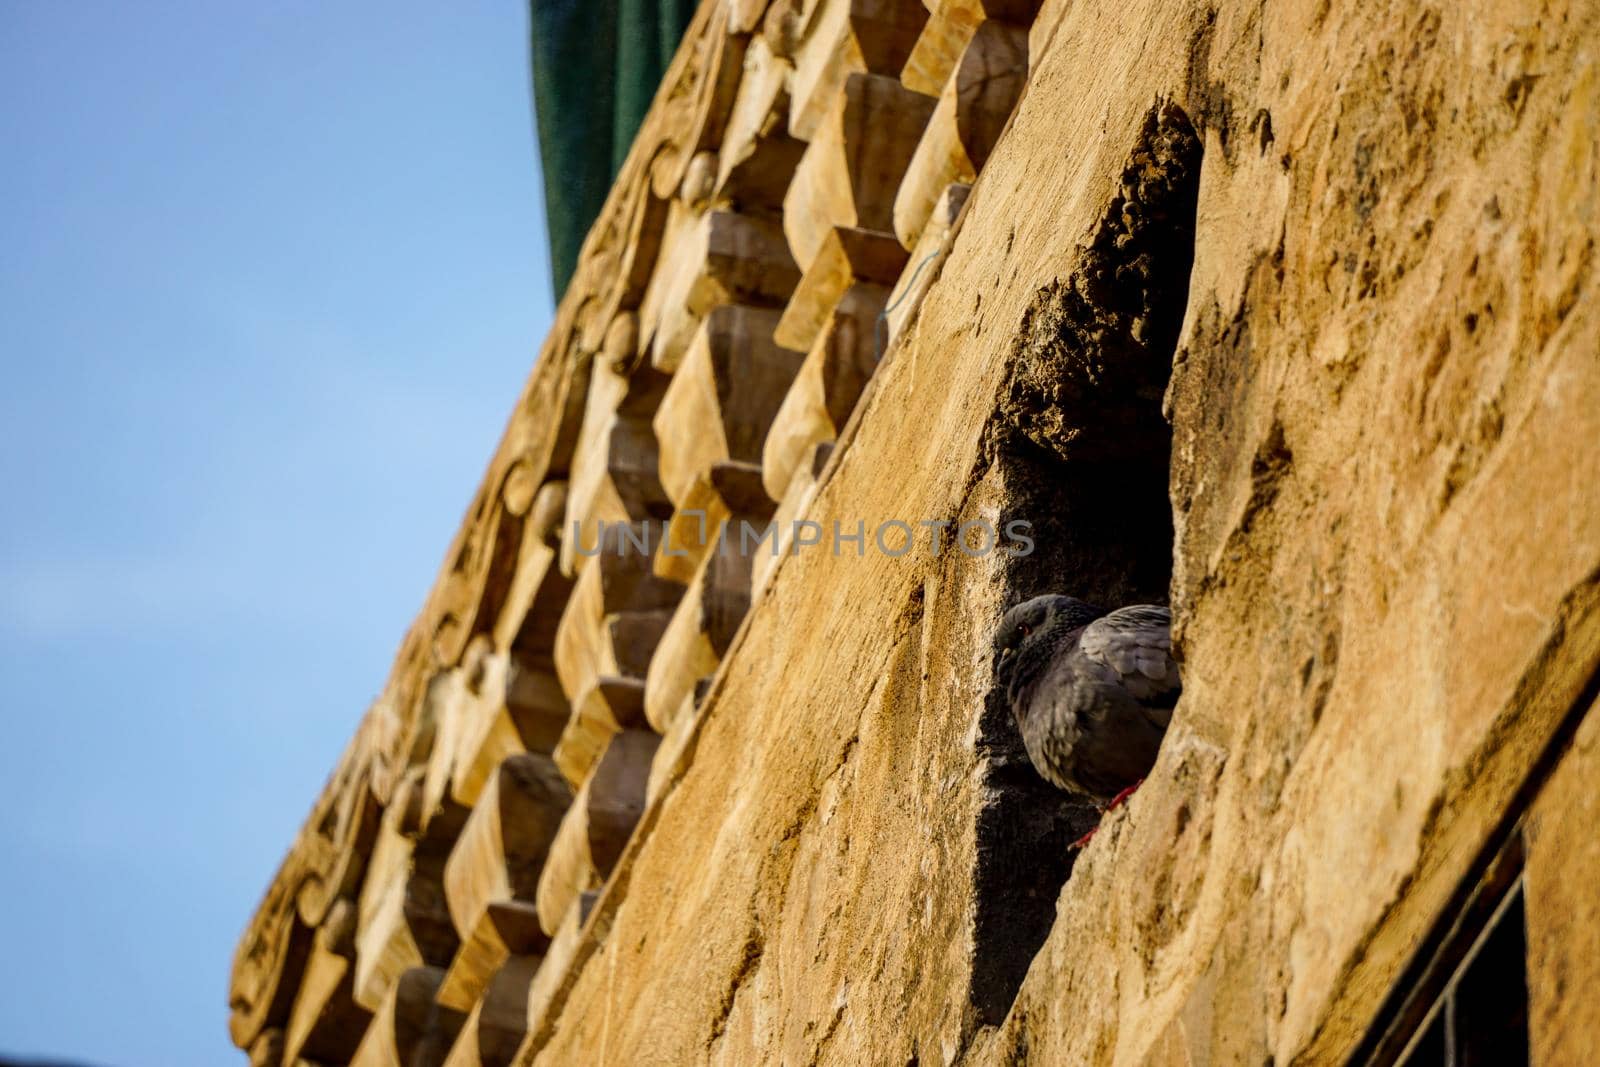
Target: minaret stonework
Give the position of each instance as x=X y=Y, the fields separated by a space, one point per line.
x=1283 y=315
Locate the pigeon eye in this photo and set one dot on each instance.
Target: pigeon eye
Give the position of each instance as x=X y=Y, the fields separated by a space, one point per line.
x=1026 y=630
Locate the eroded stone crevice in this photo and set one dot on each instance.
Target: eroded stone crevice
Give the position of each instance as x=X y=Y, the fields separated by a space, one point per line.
x=1095 y=349
x=1081 y=450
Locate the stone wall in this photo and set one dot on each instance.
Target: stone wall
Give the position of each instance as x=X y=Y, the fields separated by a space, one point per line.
x=1285 y=314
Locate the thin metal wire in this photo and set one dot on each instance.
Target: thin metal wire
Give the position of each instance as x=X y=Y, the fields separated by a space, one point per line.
x=883 y=316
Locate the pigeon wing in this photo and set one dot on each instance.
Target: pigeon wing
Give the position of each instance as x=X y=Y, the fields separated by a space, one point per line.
x=1134 y=645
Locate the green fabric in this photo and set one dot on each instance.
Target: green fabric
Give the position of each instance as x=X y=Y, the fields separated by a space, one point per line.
x=596 y=67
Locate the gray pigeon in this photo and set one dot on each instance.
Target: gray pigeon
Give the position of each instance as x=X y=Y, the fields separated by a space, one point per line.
x=1092 y=691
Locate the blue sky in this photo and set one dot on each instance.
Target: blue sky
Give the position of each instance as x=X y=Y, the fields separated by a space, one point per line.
x=272 y=276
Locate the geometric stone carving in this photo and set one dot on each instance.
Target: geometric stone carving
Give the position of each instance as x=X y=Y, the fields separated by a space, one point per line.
x=409 y=1029
x=508 y=928
x=597 y=825
x=700 y=632
x=493 y=1031
x=504 y=843
x=723 y=396
x=326 y=1023
x=616 y=612
x=719 y=258
x=402 y=917
x=971 y=113
x=614 y=468
x=518 y=708
x=947 y=32
x=845 y=257
x=758 y=156
x=717 y=499
x=824 y=393
x=612 y=704
x=845 y=37
x=852 y=168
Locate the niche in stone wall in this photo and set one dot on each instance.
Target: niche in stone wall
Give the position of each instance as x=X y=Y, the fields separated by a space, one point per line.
x=1082 y=449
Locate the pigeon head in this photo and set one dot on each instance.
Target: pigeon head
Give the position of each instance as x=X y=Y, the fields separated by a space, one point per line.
x=1030 y=634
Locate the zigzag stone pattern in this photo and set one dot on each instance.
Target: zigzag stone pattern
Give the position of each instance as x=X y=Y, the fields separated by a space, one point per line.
x=776 y=223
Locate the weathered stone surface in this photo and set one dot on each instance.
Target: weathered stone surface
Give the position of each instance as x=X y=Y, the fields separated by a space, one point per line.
x=1328 y=582
x=1366 y=598
x=1282 y=314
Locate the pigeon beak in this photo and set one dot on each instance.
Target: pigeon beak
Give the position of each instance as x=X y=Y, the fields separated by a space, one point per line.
x=1004 y=653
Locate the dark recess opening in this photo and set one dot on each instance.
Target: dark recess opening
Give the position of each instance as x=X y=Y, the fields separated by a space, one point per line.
x=1479 y=1017
x=1082 y=447
x=1482 y=1019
